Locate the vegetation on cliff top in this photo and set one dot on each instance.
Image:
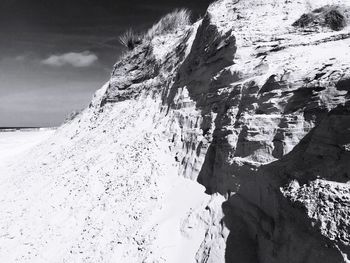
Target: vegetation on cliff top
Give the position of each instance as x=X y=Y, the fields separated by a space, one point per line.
x=176 y=20
x=327 y=16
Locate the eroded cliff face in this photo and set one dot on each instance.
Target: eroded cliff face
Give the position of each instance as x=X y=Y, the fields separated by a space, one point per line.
x=257 y=111
x=243 y=103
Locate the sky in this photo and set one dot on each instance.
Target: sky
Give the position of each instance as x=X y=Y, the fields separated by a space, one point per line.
x=55 y=54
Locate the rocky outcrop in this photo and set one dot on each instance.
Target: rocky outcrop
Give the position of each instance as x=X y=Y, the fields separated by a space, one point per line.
x=256 y=111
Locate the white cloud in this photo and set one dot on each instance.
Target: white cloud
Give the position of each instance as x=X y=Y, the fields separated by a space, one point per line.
x=79 y=60
x=21 y=58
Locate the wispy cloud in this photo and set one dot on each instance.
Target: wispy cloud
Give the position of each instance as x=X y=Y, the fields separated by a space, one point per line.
x=79 y=60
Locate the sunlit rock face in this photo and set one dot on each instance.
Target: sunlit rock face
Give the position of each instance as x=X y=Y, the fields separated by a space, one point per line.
x=255 y=104
x=246 y=105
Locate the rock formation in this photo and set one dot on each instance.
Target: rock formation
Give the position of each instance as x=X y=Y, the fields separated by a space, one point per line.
x=245 y=102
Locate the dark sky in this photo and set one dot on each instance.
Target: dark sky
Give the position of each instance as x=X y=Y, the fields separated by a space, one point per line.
x=55 y=53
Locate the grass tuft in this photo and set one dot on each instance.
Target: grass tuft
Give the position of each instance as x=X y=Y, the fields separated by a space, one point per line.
x=304 y=20
x=335 y=20
x=177 y=20
x=71 y=116
x=130 y=39
x=326 y=16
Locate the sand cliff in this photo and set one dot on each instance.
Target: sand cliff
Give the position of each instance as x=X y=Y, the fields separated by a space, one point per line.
x=228 y=141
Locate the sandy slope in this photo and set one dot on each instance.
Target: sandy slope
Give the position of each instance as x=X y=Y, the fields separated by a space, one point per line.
x=102 y=189
x=14 y=143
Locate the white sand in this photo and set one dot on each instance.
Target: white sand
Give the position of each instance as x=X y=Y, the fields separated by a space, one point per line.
x=107 y=195
x=16 y=142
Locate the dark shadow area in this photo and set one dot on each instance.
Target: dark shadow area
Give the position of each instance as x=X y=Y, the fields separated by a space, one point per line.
x=241 y=244
x=303 y=97
x=267 y=227
x=264 y=226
